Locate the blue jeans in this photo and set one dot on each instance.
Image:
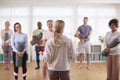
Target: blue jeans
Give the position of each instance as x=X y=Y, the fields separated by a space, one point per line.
x=37 y=56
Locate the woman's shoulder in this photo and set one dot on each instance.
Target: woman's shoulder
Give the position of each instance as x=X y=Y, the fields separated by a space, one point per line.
x=109 y=32
x=117 y=32
x=24 y=34
x=67 y=39
x=49 y=42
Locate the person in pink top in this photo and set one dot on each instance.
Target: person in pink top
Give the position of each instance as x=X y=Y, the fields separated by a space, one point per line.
x=47 y=35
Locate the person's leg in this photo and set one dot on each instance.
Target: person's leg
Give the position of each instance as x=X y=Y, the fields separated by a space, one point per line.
x=81 y=50
x=88 y=51
x=115 y=67
x=24 y=68
x=5 y=59
x=37 y=60
x=9 y=57
x=15 y=73
x=15 y=68
x=88 y=61
x=109 y=66
x=53 y=75
x=44 y=70
x=64 y=75
x=81 y=59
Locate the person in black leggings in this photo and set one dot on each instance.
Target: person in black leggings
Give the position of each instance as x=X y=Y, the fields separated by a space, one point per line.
x=17 y=38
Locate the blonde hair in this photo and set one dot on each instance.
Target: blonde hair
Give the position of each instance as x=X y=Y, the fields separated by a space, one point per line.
x=58 y=30
x=7 y=22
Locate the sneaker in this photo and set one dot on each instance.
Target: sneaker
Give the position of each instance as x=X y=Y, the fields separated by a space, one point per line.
x=37 y=68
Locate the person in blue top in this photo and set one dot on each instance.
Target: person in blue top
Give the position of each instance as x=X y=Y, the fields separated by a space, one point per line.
x=19 y=37
x=83 y=34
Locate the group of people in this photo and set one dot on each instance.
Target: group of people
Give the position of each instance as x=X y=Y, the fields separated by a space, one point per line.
x=57 y=49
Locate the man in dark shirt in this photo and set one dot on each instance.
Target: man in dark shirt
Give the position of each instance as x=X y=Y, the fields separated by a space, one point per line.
x=83 y=34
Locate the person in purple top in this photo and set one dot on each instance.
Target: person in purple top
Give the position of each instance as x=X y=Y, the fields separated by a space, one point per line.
x=83 y=34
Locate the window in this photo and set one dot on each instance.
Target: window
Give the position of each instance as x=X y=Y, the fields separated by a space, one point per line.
x=14 y=15
x=45 y=13
x=98 y=19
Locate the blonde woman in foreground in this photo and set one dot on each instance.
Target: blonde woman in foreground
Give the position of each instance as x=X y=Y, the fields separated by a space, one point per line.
x=58 y=51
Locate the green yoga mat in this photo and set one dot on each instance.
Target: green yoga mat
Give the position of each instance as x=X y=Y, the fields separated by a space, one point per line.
x=103 y=58
x=1 y=57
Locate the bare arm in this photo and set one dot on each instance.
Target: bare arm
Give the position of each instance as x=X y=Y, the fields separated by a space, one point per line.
x=89 y=34
x=77 y=34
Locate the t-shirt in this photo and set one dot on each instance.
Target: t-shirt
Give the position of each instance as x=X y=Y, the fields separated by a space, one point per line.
x=37 y=32
x=47 y=34
x=84 y=31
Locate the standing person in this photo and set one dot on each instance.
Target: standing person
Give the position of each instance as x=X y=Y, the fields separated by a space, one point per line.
x=19 y=37
x=39 y=46
x=113 y=56
x=58 y=51
x=6 y=46
x=84 y=33
x=46 y=36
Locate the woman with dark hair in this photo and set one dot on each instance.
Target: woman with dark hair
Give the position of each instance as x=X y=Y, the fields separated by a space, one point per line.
x=19 y=45
x=6 y=46
x=113 y=56
x=58 y=51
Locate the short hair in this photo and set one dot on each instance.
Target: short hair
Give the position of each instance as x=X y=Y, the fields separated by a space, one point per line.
x=85 y=17
x=7 y=22
x=49 y=20
x=114 y=21
x=17 y=23
x=39 y=23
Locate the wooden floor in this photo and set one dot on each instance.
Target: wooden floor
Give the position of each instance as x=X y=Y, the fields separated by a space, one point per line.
x=97 y=72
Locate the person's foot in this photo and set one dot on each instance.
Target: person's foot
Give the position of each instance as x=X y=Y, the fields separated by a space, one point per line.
x=80 y=66
x=88 y=67
x=7 y=68
x=37 y=68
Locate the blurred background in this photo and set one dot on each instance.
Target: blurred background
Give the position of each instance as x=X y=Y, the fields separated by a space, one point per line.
x=29 y=12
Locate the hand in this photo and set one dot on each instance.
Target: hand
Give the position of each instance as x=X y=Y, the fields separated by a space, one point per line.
x=107 y=49
x=22 y=53
x=40 y=42
x=82 y=40
x=75 y=35
x=6 y=43
x=19 y=53
x=41 y=53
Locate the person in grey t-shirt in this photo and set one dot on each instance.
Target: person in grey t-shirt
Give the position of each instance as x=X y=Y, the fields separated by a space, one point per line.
x=83 y=34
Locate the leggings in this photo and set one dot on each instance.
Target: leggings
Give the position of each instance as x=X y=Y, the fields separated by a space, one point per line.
x=59 y=75
x=7 y=55
x=24 y=68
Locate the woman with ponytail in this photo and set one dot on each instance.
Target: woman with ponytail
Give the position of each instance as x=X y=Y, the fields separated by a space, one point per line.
x=58 y=51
